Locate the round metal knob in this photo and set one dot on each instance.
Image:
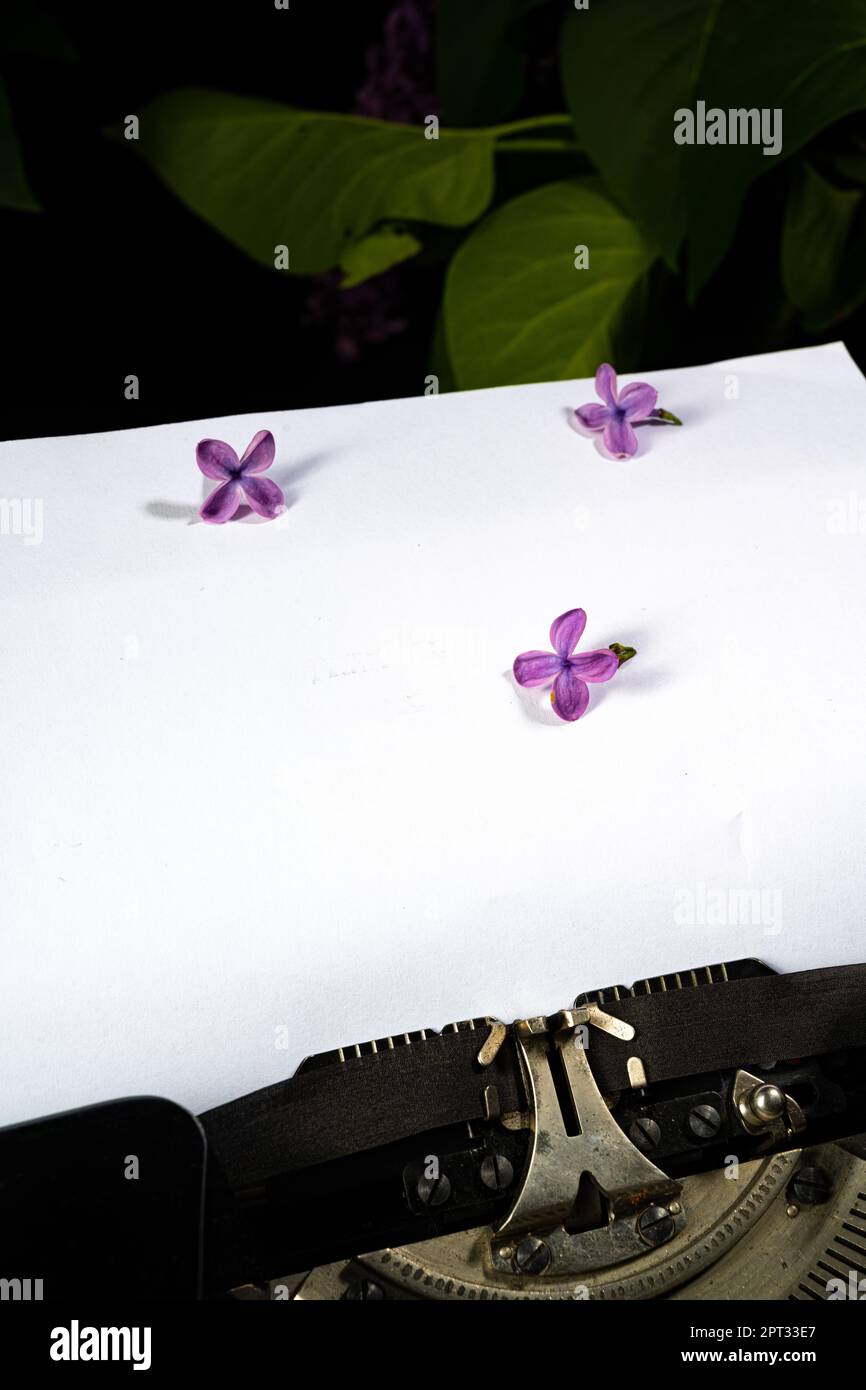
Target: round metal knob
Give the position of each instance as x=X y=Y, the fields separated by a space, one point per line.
x=767 y=1103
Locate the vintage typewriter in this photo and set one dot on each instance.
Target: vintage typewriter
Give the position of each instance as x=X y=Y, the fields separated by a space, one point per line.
x=694 y=1136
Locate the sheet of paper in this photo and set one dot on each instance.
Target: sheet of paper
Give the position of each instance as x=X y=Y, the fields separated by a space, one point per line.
x=269 y=788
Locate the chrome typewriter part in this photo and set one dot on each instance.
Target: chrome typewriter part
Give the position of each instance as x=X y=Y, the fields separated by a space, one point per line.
x=594 y=1217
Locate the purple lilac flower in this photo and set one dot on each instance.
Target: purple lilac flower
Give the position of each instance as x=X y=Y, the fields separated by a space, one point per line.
x=569 y=673
x=620 y=411
x=238 y=478
x=362 y=315
x=398 y=86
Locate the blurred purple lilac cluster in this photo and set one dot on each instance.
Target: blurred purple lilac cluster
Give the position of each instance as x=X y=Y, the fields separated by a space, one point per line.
x=399 y=82
x=361 y=316
x=398 y=87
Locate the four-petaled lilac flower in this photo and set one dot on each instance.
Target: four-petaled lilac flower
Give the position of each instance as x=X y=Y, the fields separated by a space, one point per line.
x=569 y=673
x=238 y=478
x=620 y=411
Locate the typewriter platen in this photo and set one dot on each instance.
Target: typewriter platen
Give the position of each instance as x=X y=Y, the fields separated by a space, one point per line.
x=614 y=1163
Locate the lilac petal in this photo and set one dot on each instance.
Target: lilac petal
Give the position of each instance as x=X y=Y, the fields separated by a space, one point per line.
x=216 y=459
x=638 y=400
x=594 y=417
x=595 y=666
x=263 y=496
x=605 y=384
x=536 y=668
x=567 y=630
x=259 y=453
x=570 y=695
x=620 y=439
x=222 y=503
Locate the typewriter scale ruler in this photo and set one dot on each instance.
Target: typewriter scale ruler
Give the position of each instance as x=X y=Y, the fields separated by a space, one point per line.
x=744 y=1238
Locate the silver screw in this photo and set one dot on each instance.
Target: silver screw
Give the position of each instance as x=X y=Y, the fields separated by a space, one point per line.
x=364 y=1291
x=705 y=1121
x=655 y=1225
x=532 y=1256
x=644 y=1133
x=810 y=1187
x=496 y=1172
x=432 y=1192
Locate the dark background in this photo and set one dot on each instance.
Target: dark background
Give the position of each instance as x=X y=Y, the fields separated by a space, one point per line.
x=115 y=277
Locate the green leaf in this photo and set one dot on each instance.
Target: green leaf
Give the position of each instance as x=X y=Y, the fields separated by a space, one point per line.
x=266 y=175
x=15 y=191
x=377 y=252
x=625 y=68
x=439 y=365
x=517 y=308
x=629 y=68
x=479 y=73
x=822 y=272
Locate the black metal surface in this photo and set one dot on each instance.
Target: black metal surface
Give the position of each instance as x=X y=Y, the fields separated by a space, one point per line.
x=373 y=1199
x=104 y=1199
x=746 y=968
x=367 y=1147
x=830 y=1090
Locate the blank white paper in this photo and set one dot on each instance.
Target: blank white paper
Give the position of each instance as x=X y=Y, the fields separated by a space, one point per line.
x=270 y=788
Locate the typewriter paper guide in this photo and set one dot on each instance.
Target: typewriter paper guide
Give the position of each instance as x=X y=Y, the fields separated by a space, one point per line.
x=270 y=788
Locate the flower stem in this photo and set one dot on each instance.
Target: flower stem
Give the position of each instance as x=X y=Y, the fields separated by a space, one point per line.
x=666 y=415
x=623 y=653
x=536 y=145
x=530 y=123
